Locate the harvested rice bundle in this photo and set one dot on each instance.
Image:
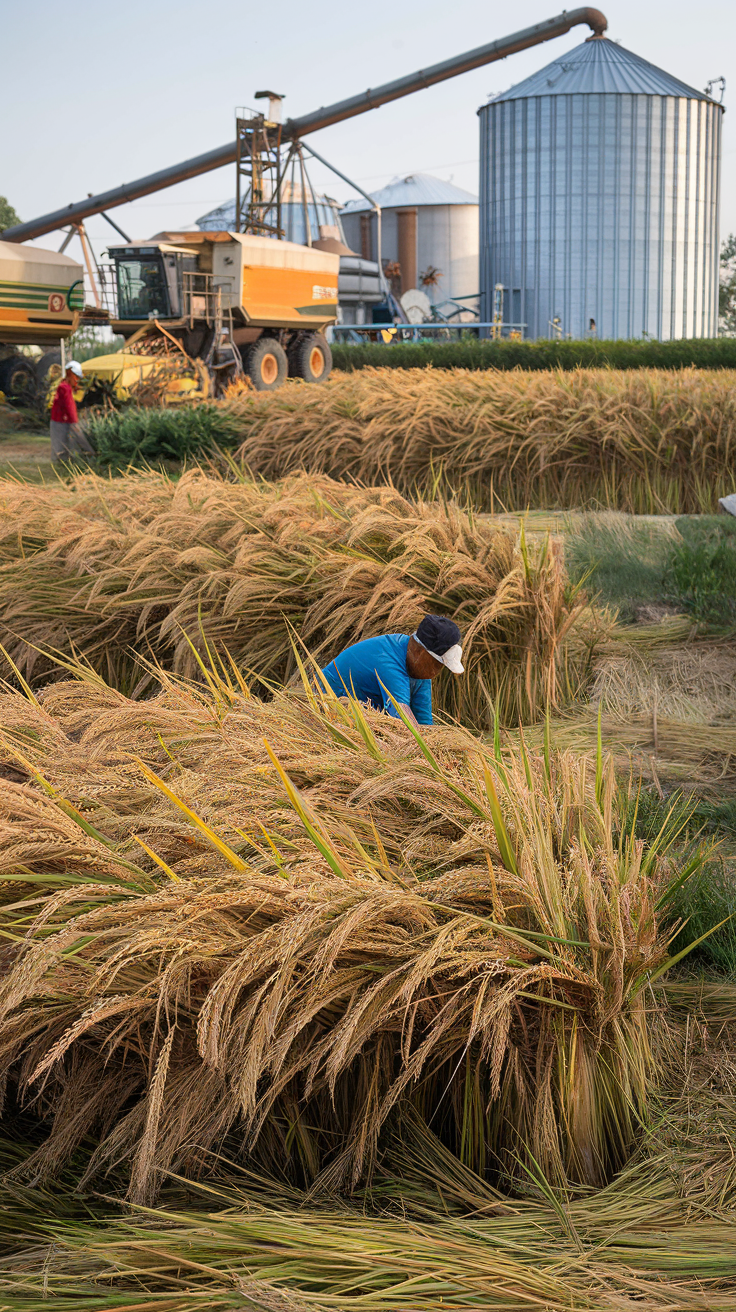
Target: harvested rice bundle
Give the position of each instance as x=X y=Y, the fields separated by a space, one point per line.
x=179 y=566
x=298 y=919
x=694 y=682
x=642 y=440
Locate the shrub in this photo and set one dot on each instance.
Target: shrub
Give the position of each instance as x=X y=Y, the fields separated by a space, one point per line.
x=701 y=574
x=705 y=353
x=150 y=436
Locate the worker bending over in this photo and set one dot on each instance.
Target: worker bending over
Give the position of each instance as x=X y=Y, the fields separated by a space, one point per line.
x=399 y=664
x=67 y=438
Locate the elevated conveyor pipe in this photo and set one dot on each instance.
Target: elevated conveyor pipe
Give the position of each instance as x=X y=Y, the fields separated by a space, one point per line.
x=321 y=118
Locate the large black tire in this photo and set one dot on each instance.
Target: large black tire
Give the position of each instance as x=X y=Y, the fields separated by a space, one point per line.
x=266 y=364
x=18 y=378
x=310 y=358
x=46 y=363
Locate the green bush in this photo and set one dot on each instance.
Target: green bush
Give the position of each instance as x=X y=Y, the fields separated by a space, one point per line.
x=140 y=436
x=701 y=572
x=703 y=353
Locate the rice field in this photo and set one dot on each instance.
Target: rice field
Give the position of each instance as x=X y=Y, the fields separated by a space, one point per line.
x=303 y=1009
x=645 y=441
x=115 y=570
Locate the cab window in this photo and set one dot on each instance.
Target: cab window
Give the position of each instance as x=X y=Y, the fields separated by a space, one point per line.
x=142 y=289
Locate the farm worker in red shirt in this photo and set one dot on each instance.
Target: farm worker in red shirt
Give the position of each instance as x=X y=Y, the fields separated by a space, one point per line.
x=67 y=438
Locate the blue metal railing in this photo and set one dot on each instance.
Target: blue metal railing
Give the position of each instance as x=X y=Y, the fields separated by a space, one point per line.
x=417 y=332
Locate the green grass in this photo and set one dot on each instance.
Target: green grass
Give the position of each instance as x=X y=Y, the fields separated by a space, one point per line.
x=707 y=353
x=628 y=563
x=620 y=558
x=26 y=455
x=695 y=817
x=709 y=896
x=703 y=903
x=701 y=569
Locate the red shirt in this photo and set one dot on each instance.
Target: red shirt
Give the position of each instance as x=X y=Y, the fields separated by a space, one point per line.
x=64 y=409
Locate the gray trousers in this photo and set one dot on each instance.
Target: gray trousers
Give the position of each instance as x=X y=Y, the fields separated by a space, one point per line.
x=68 y=440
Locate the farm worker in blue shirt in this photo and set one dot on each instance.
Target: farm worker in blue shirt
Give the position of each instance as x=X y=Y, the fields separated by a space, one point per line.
x=405 y=665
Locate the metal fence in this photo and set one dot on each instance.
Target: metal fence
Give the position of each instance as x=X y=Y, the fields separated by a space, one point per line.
x=426 y=332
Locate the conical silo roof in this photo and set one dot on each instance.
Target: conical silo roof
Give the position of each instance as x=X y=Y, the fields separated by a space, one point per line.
x=600 y=65
x=416 y=189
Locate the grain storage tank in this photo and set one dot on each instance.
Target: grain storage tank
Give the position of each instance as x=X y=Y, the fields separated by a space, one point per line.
x=426 y=224
x=599 y=200
x=323 y=212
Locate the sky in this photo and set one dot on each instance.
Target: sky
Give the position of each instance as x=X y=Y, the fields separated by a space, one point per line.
x=97 y=94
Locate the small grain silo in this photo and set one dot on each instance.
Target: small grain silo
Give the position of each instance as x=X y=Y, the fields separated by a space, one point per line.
x=599 y=200
x=297 y=205
x=425 y=224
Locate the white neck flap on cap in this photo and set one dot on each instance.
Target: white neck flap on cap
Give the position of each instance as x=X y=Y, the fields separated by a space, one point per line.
x=452 y=659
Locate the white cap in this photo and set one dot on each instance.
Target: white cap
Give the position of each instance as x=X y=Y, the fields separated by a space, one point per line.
x=75 y=367
x=452 y=659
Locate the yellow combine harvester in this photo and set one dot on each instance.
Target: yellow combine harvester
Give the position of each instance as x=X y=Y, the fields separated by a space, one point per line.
x=41 y=302
x=199 y=309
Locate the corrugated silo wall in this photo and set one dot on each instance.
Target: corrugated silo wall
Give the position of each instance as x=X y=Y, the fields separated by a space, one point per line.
x=448 y=240
x=447 y=237
x=602 y=207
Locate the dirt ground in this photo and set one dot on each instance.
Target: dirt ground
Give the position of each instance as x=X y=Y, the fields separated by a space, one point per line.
x=26 y=455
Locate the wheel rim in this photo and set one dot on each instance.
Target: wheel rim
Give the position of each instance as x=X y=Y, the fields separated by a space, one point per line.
x=20 y=382
x=269 y=368
x=316 y=362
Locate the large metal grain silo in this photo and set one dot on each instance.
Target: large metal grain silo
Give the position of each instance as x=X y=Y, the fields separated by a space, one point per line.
x=599 y=200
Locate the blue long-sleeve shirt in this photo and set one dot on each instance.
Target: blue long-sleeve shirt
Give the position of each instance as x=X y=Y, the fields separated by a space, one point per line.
x=357 y=671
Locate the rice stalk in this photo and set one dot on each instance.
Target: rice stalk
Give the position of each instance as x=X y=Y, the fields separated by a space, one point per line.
x=342 y=922
x=428 y=1233
x=109 y=570
x=643 y=441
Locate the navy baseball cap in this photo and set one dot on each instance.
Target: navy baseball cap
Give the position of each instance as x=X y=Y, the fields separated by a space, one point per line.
x=441 y=638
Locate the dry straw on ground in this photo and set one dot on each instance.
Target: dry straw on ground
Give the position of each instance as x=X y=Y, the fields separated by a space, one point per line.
x=142 y=564
x=428 y=1234
x=668 y=705
x=289 y=921
x=640 y=440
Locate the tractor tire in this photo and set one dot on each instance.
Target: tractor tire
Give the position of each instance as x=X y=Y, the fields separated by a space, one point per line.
x=310 y=358
x=18 y=378
x=44 y=367
x=266 y=364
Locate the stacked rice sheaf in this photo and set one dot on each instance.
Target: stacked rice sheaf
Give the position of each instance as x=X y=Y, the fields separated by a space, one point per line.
x=144 y=566
x=290 y=922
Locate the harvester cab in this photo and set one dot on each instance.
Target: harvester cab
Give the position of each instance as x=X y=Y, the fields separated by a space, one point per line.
x=234 y=302
x=150 y=281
